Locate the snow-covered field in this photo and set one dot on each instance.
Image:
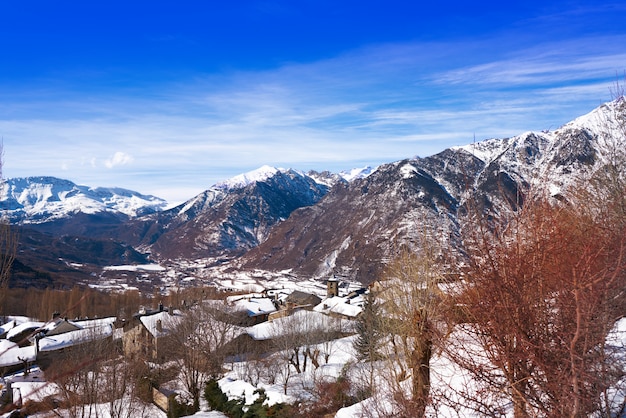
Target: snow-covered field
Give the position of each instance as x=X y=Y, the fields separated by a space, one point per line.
x=185 y=274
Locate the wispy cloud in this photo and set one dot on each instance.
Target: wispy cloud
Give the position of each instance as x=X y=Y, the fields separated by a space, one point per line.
x=373 y=105
x=564 y=62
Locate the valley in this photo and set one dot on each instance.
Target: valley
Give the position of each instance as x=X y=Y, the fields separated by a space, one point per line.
x=471 y=274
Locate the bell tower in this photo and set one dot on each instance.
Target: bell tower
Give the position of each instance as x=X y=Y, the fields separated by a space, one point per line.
x=332 y=287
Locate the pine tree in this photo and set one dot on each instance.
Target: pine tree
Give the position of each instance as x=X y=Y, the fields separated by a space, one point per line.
x=369 y=330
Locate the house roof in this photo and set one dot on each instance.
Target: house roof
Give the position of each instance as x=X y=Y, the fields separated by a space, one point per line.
x=71 y=338
x=300 y=321
x=11 y=354
x=168 y=323
x=7 y=327
x=256 y=306
x=60 y=327
x=94 y=323
x=348 y=307
x=302 y=298
x=26 y=326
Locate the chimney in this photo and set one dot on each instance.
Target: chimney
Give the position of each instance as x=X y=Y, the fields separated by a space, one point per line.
x=159 y=325
x=56 y=316
x=160 y=306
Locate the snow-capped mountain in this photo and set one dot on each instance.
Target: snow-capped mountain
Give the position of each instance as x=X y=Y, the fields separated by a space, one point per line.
x=359 y=226
x=242 y=180
x=357 y=173
x=351 y=223
x=43 y=199
x=231 y=217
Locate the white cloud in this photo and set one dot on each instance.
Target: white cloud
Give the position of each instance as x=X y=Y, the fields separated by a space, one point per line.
x=374 y=105
x=119 y=158
x=578 y=61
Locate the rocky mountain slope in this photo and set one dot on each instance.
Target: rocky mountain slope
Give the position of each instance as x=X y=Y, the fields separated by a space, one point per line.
x=69 y=221
x=316 y=224
x=358 y=227
x=230 y=218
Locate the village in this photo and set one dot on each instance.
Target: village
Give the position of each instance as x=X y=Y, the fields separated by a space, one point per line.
x=236 y=329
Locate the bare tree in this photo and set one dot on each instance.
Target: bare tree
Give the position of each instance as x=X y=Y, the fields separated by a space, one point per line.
x=296 y=339
x=414 y=305
x=199 y=344
x=8 y=246
x=545 y=286
x=78 y=374
x=287 y=339
x=122 y=387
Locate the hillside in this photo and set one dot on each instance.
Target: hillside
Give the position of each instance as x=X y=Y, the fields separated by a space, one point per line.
x=318 y=224
x=359 y=226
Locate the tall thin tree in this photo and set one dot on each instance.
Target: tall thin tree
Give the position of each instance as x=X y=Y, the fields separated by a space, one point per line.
x=8 y=244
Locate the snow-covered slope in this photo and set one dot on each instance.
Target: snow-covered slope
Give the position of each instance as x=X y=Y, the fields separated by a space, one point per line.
x=266 y=172
x=358 y=227
x=550 y=158
x=242 y=180
x=349 y=223
x=234 y=215
x=42 y=199
x=357 y=173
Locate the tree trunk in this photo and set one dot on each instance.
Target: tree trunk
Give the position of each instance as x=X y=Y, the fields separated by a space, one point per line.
x=420 y=360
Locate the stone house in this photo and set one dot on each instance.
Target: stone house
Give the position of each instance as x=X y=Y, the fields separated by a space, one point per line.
x=147 y=335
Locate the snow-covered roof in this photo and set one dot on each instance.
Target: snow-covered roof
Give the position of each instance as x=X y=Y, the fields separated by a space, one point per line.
x=236 y=298
x=279 y=295
x=256 y=306
x=94 y=323
x=17 y=330
x=300 y=321
x=68 y=339
x=168 y=323
x=350 y=308
x=11 y=354
x=7 y=327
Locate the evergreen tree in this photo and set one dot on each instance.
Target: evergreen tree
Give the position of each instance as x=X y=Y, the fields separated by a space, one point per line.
x=370 y=330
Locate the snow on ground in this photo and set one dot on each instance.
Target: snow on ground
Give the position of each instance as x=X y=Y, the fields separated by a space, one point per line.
x=448 y=379
x=340 y=353
x=616 y=342
x=208 y=414
x=136 y=267
x=32 y=386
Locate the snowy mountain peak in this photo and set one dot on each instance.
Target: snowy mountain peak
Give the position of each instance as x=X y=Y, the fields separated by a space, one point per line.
x=40 y=199
x=242 y=180
x=605 y=120
x=357 y=173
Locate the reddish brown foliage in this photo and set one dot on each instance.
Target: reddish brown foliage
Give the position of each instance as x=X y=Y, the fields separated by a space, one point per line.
x=545 y=288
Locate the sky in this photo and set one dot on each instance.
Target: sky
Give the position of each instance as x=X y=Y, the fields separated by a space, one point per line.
x=168 y=98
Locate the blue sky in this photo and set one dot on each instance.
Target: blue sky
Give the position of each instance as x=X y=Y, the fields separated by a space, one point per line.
x=168 y=98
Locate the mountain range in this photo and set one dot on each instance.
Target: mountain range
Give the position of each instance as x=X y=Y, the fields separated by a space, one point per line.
x=310 y=224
